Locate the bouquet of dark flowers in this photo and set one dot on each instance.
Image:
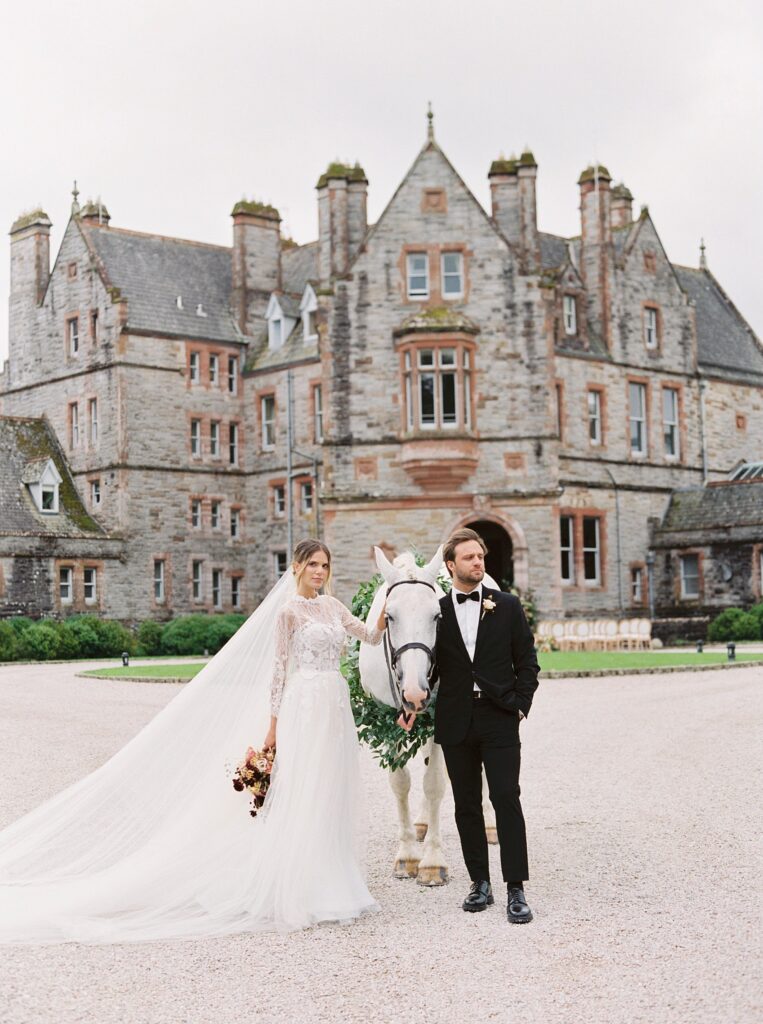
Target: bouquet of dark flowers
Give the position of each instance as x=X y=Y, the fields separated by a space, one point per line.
x=253 y=775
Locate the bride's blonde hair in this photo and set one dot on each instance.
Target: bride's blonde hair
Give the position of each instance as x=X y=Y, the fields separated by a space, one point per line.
x=302 y=553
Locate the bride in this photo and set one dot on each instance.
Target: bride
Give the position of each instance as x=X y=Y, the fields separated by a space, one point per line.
x=156 y=843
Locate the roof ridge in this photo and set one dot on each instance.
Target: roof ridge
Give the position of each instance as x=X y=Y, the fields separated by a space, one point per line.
x=159 y=238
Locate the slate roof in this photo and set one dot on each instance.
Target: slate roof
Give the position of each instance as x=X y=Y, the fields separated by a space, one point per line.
x=715 y=507
x=723 y=338
x=27 y=441
x=151 y=271
x=293 y=350
x=298 y=266
x=553 y=250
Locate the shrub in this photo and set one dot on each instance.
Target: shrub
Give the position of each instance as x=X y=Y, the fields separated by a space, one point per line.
x=84 y=631
x=734 y=624
x=20 y=622
x=221 y=629
x=8 y=642
x=149 y=637
x=186 y=635
x=113 y=638
x=68 y=641
x=40 y=642
x=757 y=612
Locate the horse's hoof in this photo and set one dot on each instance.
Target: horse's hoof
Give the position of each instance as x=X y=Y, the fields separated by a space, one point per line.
x=406 y=868
x=421 y=832
x=491 y=833
x=432 y=875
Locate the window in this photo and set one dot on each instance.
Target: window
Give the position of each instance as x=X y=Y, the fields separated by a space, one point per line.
x=159 y=580
x=92 y=406
x=196 y=570
x=214 y=366
x=233 y=444
x=637 y=584
x=306 y=501
x=95 y=493
x=689 y=577
x=452 y=275
x=275 y=332
x=196 y=438
x=196 y=513
x=72 y=271
x=72 y=328
x=74 y=425
x=279 y=563
x=651 y=338
x=48 y=497
x=215 y=509
x=235 y=523
x=94 y=326
x=594 y=417
x=268 y=415
x=566 y=534
x=318 y=413
x=436 y=388
x=232 y=375
x=591 y=552
x=309 y=325
x=214 y=438
x=418 y=275
x=217 y=585
x=235 y=591
x=570 y=314
x=90 y=575
x=637 y=418
x=279 y=500
x=65 y=588
x=670 y=422
x=194 y=367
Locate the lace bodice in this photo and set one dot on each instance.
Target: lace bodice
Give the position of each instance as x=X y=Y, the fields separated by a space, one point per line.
x=310 y=635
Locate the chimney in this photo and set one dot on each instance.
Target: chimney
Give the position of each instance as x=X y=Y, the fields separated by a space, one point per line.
x=95 y=213
x=596 y=258
x=514 y=210
x=342 y=194
x=30 y=271
x=256 y=270
x=622 y=206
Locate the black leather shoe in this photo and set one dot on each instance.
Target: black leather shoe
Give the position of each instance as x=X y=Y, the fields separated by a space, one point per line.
x=480 y=896
x=517 y=910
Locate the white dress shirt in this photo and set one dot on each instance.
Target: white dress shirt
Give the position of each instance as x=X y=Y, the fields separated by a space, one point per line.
x=468 y=618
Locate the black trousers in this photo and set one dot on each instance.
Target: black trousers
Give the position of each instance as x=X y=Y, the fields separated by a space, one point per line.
x=492 y=741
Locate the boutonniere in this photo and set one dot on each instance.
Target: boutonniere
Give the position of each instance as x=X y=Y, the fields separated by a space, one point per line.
x=488 y=605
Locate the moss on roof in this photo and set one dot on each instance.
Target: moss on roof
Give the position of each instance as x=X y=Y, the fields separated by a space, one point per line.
x=91 y=209
x=589 y=174
x=621 y=191
x=337 y=169
x=25 y=220
x=527 y=159
x=256 y=209
x=502 y=166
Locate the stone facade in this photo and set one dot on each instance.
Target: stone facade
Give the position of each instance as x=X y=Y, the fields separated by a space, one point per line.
x=447 y=366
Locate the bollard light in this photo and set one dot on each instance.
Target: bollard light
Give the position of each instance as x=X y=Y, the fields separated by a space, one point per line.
x=125 y=658
x=731 y=648
x=700 y=646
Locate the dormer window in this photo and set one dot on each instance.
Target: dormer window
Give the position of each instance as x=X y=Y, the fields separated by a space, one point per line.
x=308 y=308
x=281 y=315
x=275 y=332
x=43 y=480
x=570 y=309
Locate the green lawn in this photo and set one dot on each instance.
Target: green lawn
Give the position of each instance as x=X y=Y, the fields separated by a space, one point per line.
x=580 y=661
x=558 y=661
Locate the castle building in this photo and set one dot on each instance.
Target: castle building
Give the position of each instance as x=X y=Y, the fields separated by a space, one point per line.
x=447 y=366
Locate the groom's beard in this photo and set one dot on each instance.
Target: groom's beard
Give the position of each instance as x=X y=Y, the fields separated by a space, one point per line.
x=470 y=582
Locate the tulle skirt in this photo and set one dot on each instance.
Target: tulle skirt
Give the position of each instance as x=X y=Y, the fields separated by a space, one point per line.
x=298 y=863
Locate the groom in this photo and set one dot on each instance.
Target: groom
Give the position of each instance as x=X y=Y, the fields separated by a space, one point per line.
x=488 y=675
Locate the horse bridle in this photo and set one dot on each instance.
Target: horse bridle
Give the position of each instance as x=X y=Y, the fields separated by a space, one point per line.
x=392 y=653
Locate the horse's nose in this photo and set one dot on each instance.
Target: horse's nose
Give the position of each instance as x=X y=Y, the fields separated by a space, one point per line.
x=416 y=698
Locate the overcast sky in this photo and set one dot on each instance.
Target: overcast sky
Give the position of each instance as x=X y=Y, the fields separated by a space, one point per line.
x=172 y=111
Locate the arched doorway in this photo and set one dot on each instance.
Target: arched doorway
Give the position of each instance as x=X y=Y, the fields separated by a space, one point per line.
x=499 y=562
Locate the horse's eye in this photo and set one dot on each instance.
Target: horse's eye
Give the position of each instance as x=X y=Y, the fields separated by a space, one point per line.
x=389 y=618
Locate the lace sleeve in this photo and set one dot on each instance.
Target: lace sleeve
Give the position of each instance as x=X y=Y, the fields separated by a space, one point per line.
x=284 y=628
x=354 y=627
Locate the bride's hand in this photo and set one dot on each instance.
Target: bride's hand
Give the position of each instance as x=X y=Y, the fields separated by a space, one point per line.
x=270 y=740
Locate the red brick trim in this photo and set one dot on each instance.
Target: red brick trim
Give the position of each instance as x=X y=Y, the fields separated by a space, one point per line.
x=272 y=484
x=676 y=558
x=413 y=344
x=680 y=459
x=260 y=395
x=68 y=318
x=601 y=390
x=166 y=557
x=643 y=456
x=577 y=515
x=561 y=426
x=434 y=252
x=645 y=305
x=757 y=571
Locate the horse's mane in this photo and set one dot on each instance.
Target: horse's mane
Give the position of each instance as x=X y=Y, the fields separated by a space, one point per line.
x=406 y=561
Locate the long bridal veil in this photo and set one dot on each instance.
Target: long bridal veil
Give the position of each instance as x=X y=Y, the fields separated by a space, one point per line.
x=131 y=850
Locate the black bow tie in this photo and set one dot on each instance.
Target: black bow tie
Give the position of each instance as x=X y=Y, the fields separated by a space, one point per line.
x=474 y=596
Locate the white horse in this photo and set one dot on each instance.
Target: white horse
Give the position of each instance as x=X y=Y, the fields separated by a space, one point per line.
x=398 y=673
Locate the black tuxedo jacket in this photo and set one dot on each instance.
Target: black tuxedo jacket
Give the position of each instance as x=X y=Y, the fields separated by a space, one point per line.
x=505 y=665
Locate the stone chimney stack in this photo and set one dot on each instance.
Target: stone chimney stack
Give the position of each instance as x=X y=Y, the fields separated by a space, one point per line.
x=95 y=213
x=596 y=257
x=342 y=219
x=622 y=206
x=514 y=208
x=30 y=271
x=256 y=261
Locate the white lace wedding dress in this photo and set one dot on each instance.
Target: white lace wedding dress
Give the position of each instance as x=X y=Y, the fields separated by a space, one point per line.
x=156 y=843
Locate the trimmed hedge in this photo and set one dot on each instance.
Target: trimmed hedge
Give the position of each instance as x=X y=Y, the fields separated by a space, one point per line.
x=737 y=624
x=87 y=636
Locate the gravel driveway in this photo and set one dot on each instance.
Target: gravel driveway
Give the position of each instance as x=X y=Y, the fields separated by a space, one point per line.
x=640 y=796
